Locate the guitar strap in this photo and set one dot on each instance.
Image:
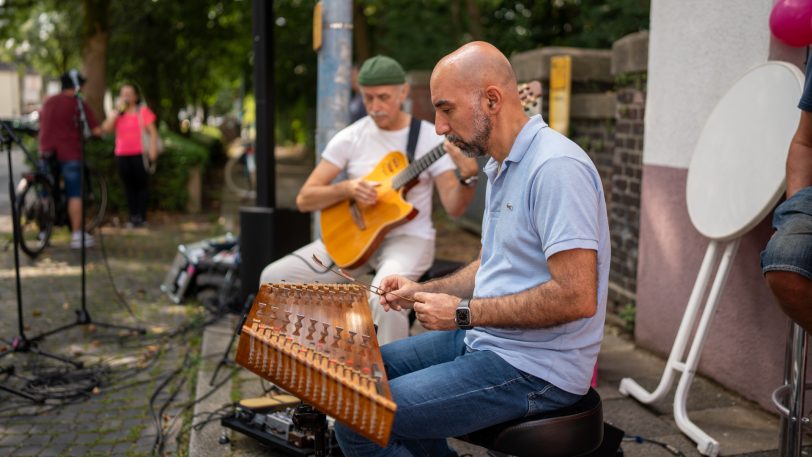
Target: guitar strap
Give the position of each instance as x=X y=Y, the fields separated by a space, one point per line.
x=414 y=132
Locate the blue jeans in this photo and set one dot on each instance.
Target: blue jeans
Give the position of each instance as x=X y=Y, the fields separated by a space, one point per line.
x=444 y=389
x=71 y=172
x=790 y=248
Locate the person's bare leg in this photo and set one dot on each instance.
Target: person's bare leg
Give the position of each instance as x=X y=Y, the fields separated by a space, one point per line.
x=75 y=213
x=794 y=294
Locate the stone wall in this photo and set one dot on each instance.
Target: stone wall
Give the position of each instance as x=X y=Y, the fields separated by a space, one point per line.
x=592 y=105
x=629 y=64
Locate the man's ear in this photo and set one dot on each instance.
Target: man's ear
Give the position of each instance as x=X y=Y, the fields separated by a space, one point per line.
x=494 y=97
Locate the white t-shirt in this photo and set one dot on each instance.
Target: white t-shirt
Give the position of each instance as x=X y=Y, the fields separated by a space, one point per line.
x=358 y=148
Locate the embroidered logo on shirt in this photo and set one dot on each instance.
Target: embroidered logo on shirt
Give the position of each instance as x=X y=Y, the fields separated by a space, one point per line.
x=509 y=206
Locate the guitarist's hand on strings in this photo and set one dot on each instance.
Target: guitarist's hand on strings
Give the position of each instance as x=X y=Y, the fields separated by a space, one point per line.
x=400 y=285
x=363 y=191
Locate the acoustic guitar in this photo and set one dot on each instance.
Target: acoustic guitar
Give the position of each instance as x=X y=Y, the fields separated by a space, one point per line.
x=352 y=232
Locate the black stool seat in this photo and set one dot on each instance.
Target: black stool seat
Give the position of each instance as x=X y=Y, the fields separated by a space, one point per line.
x=569 y=432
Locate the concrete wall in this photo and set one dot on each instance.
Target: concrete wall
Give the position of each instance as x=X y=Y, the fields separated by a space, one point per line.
x=10 y=105
x=697 y=50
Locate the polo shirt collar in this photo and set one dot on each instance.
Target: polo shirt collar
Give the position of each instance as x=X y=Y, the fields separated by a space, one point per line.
x=520 y=146
x=525 y=138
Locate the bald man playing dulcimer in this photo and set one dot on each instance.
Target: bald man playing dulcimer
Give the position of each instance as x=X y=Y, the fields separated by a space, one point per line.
x=516 y=332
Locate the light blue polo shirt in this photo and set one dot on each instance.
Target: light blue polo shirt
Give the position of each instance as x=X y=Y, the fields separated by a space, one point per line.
x=546 y=198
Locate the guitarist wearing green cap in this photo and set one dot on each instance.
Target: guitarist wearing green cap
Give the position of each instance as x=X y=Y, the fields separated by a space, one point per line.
x=379 y=219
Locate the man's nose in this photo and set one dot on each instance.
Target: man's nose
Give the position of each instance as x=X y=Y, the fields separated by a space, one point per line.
x=440 y=125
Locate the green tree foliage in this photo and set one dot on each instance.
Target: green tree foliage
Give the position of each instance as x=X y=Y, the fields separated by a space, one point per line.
x=181 y=54
x=433 y=28
x=199 y=53
x=419 y=32
x=40 y=35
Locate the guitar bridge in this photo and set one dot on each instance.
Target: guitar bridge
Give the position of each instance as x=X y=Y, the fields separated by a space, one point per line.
x=357 y=216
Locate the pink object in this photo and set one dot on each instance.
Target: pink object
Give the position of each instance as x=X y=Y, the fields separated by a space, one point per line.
x=595 y=376
x=791 y=22
x=128 y=131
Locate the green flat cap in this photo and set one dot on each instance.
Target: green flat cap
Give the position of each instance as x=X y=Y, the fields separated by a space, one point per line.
x=381 y=71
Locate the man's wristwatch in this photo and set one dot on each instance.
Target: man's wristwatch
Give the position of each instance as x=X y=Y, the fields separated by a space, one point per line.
x=462 y=316
x=470 y=181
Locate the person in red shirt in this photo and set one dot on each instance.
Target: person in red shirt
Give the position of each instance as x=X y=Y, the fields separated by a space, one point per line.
x=60 y=136
x=130 y=121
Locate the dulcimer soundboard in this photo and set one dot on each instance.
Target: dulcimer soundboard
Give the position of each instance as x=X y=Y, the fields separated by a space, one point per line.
x=317 y=341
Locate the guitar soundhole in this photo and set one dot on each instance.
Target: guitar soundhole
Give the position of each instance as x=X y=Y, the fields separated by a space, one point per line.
x=392 y=166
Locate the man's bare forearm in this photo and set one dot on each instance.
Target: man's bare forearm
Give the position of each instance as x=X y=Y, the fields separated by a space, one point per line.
x=460 y=283
x=571 y=294
x=543 y=306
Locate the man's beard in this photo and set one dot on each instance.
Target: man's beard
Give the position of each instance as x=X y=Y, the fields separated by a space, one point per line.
x=478 y=145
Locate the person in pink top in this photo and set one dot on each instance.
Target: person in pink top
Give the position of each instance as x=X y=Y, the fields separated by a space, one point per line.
x=130 y=120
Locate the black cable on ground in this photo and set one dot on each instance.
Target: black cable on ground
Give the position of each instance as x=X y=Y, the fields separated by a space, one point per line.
x=155 y=416
x=211 y=416
x=122 y=301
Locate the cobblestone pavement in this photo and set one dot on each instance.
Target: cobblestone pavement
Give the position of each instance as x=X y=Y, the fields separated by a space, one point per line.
x=131 y=395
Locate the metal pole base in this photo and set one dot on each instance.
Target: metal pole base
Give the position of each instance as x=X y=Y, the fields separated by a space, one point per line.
x=83 y=318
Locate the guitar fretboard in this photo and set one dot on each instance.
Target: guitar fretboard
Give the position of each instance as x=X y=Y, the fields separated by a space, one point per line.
x=418 y=166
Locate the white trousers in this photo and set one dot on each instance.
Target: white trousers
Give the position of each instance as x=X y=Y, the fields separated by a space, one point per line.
x=409 y=256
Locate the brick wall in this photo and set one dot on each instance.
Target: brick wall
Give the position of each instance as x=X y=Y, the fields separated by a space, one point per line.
x=624 y=205
x=596 y=137
x=629 y=67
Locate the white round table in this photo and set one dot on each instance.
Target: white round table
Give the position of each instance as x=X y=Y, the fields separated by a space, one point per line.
x=736 y=174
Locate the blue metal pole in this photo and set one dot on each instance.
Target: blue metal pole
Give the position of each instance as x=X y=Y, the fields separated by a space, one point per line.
x=335 y=61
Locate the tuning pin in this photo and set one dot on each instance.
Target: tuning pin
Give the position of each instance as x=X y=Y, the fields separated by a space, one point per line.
x=351 y=339
x=364 y=341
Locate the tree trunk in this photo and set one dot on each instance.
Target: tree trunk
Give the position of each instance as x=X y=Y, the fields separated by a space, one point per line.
x=474 y=19
x=94 y=62
x=94 y=52
x=360 y=34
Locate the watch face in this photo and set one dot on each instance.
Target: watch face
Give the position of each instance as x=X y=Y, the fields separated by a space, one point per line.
x=462 y=316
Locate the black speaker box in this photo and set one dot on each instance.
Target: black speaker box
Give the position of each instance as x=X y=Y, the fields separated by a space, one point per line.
x=267 y=234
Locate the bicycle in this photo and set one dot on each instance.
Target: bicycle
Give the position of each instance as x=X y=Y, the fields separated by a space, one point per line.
x=41 y=203
x=241 y=170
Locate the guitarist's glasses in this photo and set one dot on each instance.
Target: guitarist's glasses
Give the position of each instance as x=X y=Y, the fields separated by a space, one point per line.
x=369 y=287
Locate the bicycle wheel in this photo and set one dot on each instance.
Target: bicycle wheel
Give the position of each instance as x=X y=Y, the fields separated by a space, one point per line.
x=36 y=212
x=238 y=177
x=95 y=199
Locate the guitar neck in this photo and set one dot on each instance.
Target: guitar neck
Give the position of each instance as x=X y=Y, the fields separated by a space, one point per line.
x=414 y=169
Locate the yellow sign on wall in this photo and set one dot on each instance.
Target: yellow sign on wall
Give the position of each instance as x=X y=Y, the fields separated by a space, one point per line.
x=317 y=26
x=560 y=87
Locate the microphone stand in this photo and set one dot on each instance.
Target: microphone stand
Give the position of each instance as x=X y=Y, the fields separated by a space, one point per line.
x=82 y=315
x=20 y=343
